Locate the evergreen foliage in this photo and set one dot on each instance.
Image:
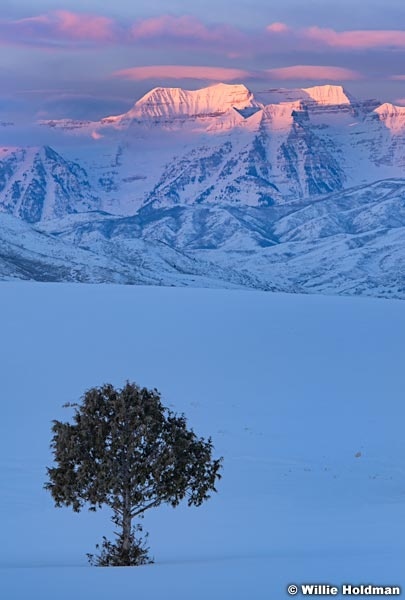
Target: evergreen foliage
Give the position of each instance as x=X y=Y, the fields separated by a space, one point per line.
x=127 y=451
x=112 y=554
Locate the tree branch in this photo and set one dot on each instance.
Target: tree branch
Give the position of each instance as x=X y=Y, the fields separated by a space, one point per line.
x=155 y=502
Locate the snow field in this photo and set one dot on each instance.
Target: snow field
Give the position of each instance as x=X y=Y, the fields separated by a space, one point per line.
x=291 y=389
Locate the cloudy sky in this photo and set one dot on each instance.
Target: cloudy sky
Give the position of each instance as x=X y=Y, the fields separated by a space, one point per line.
x=91 y=58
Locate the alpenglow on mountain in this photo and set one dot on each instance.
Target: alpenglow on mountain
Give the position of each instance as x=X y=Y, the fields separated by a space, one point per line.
x=299 y=190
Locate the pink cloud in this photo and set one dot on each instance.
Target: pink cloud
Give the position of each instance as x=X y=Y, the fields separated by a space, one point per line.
x=308 y=72
x=349 y=39
x=357 y=39
x=313 y=72
x=58 y=28
x=68 y=29
x=186 y=29
x=63 y=28
x=181 y=72
x=278 y=28
x=38 y=19
x=185 y=26
x=84 y=27
x=397 y=77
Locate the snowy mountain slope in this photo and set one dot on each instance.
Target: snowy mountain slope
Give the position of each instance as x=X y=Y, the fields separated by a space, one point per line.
x=363 y=264
x=321 y=95
x=88 y=250
x=350 y=242
x=38 y=184
x=380 y=205
x=124 y=241
x=229 y=172
x=26 y=253
x=377 y=207
x=269 y=158
x=388 y=147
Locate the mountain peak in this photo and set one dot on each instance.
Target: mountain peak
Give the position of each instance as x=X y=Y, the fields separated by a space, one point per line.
x=329 y=94
x=281 y=116
x=388 y=109
x=162 y=102
x=392 y=116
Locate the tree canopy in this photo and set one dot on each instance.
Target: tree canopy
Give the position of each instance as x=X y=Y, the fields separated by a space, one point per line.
x=127 y=451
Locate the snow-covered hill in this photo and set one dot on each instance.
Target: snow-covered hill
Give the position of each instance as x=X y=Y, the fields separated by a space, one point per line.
x=299 y=190
x=31 y=254
x=351 y=242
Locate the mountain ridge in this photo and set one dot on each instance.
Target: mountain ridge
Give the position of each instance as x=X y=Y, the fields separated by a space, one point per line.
x=306 y=194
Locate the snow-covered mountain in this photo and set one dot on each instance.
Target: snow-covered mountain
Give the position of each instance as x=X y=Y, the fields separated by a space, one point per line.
x=167 y=104
x=222 y=144
x=299 y=190
x=28 y=253
x=37 y=184
x=351 y=242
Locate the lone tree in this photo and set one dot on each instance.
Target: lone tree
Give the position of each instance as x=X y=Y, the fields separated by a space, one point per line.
x=127 y=451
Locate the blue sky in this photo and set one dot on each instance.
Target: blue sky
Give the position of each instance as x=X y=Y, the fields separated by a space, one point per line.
x=90 y=58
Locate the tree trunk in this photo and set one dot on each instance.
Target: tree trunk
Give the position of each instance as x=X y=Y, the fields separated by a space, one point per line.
x=126 y=531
